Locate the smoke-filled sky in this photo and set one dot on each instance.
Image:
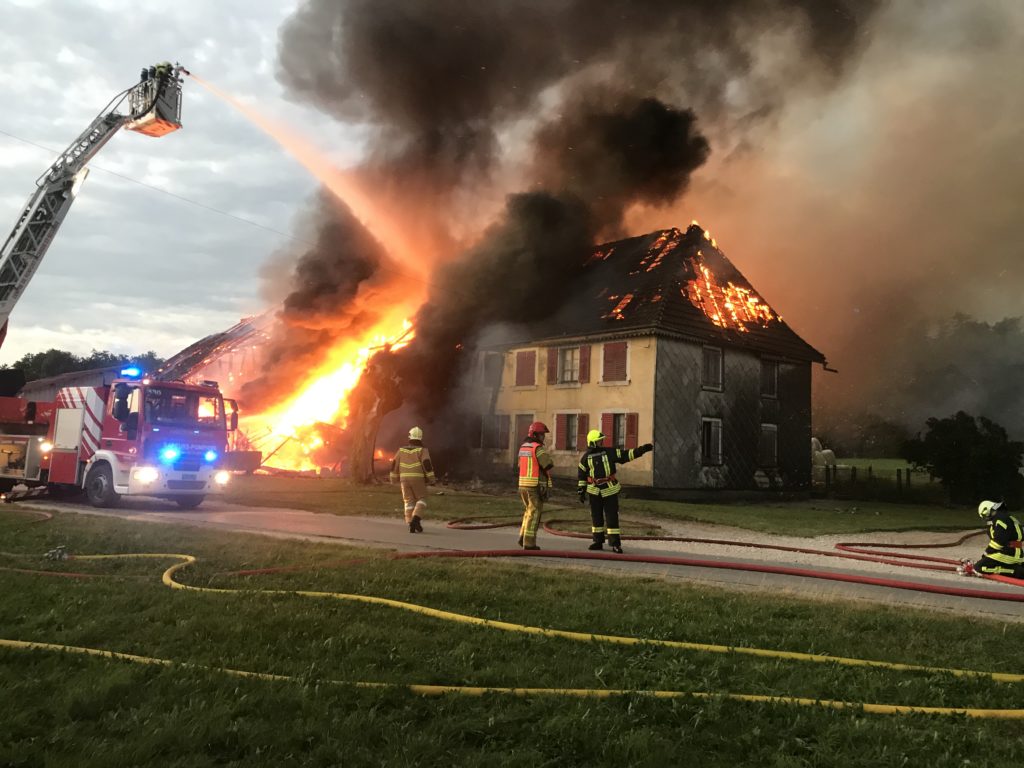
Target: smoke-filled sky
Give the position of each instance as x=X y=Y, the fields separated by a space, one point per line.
x=863 y=171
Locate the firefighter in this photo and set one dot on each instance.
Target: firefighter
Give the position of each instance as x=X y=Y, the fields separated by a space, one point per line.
x=534 y=481
x=1004 y=555
x=413 y=468
x=598 y=483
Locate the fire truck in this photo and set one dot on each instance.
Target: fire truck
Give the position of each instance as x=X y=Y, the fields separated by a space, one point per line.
x=133 y=435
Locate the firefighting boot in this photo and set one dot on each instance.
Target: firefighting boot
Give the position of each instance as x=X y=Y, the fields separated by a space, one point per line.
x=416 y=526
x=616 y=543
x=519 y=543
x=598 y=543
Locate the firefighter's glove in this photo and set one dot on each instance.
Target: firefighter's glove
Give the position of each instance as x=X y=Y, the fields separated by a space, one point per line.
x=583 y=495
x=542 y=491
x=645 y=448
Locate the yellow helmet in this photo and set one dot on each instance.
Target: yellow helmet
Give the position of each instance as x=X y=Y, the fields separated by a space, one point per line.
x=594 y=437
x=415 y=433
x=988 y=508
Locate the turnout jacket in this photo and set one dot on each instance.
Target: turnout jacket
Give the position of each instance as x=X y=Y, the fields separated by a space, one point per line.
x=533 y=465
x=1005 y=539
x=597 y=468
x=412 y=462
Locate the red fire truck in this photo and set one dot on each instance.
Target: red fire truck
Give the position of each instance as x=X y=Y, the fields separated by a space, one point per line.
x=134 y=437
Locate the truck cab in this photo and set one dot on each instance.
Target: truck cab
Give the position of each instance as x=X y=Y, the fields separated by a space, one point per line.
x=142 y=437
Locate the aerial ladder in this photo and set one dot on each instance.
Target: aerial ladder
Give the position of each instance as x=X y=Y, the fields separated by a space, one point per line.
x=153 y=109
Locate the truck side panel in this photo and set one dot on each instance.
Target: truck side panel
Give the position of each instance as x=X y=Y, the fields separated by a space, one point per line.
x=67 y=444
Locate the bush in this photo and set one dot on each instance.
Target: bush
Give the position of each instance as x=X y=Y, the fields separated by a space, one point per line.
x=973 y=458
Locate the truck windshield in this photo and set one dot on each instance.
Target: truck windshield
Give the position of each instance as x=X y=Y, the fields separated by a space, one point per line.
x=181 y=408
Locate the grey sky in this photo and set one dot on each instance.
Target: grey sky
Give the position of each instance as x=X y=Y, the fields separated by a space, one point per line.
x=133 y=269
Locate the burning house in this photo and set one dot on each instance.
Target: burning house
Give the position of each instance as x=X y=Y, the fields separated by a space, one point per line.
x=661 y=339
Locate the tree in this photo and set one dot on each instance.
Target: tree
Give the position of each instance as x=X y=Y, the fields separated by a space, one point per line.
x=973 y=458
x=53 y=362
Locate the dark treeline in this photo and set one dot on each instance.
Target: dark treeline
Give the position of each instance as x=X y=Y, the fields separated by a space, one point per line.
x=53 y=362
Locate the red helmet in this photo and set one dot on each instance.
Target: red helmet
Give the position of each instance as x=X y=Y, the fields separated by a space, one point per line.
x=538 y=428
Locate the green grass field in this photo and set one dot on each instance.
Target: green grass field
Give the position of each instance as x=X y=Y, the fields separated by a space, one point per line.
x=65 y=709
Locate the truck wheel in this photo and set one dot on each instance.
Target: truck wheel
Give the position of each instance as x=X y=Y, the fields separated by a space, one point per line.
x=189 y=502
x=99 y=486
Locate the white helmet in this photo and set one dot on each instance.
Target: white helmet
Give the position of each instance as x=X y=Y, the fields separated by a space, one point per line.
x=415 y=433
x=988 y=508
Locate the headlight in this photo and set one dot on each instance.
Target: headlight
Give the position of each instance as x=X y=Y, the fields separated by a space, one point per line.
x=146 y=475
x=222 y=477
x=46 y=446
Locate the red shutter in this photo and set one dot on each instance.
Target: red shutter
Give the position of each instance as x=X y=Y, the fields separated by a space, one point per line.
x=614 y=362
x=582 y=427
x=584 y=365
x=608 y=427
x=632 y=427
x=561 y=426
x=552 y=365
x=526 y=368
x=503 y=422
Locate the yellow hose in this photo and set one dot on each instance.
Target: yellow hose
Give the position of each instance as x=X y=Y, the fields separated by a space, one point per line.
x=433 y=690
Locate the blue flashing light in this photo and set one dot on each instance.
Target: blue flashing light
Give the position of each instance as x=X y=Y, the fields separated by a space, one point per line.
x=210 y=456
x=170 y=454
x=131 y=372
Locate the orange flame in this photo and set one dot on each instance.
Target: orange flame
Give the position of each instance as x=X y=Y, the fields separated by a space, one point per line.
x=730 y=306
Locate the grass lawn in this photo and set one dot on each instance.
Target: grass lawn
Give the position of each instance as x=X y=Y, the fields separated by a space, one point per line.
x=65 y=709
x=797 y=518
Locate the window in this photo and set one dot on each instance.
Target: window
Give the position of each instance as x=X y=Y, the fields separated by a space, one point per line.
x=567 y=430
x=769 y=378
x=492 y=366
x=620 y=429
x=495 y=432
x=711 y=371
x=768 y=446
x=569 y=365
x=526 y=368
x=614 y=362
x=711 y=441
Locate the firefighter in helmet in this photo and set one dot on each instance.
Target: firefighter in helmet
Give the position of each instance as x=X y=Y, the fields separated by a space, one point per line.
x=597 y=482
x=534 y=470
x=412 y=467
x=1004 y=555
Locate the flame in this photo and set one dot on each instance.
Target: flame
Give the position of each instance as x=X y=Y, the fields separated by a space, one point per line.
x=730 y=306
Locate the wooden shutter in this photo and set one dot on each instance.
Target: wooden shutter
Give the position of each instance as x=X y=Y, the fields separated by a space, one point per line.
x=632 y=427
x=614 y=362
x=584 y=365
x=582 y=427
x=502 y=441
x=608 y=427
x=561 y=426
x=526 y=368
x=476 y=431
x=552 y=365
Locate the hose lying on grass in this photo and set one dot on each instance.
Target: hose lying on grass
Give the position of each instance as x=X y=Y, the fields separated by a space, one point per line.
x=184 y=561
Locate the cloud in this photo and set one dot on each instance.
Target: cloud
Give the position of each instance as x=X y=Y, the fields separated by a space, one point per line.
x=133 y=269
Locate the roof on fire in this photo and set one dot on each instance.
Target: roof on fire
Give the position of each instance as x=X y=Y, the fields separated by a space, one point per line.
x=676 y=284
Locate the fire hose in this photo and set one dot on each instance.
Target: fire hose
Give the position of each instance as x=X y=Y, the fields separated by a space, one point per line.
x=184 y=560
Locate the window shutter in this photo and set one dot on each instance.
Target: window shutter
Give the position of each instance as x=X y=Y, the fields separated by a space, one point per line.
x=526 y=368
x=503 y=422
x=614 y=362
x=582 y=427
x=552 y=365
x=584 y=364
x=561 y=425
x=632 y=427
x=476 y=431
x=608 y=427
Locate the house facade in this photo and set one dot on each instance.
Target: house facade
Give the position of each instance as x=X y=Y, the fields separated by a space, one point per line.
x=663 y=342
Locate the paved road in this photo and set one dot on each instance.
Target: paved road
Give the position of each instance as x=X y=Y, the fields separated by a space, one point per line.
x=392 y=533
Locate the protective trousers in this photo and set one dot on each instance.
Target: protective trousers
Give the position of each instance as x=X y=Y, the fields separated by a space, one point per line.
x=533 y=505
x=988 y=565
x=604 y=517
x=414 y=497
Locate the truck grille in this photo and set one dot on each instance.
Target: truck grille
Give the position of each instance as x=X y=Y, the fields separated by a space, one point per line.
x=187 y=464
x=186 y=485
